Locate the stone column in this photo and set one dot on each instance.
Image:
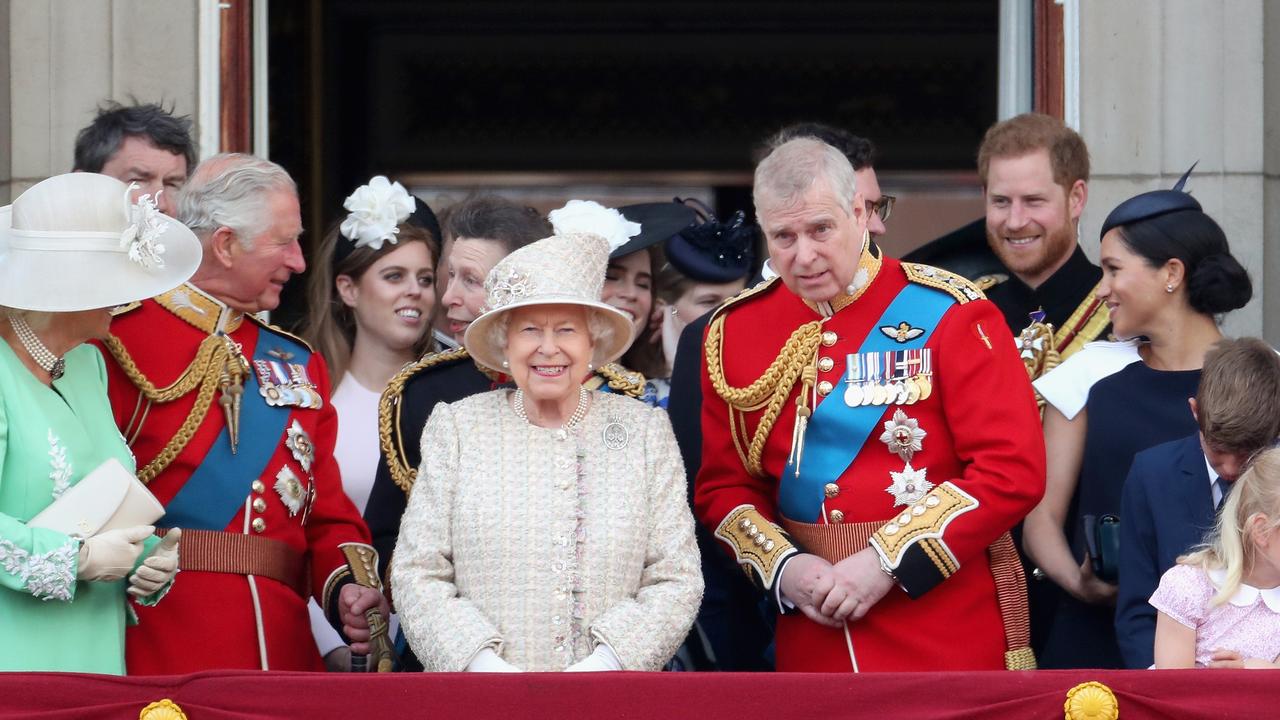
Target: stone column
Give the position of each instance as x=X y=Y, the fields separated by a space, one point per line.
x=66 y=57
x=1166 y=84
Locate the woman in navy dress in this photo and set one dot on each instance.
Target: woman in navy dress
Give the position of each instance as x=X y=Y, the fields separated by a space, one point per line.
x=1168 y=275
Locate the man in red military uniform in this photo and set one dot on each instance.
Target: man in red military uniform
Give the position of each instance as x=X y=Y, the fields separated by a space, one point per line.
x=869 y=437
x=231 y=424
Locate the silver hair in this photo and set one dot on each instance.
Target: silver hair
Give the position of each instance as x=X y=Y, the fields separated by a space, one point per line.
x=601 y=331
x=788 y=172
x=232 y=190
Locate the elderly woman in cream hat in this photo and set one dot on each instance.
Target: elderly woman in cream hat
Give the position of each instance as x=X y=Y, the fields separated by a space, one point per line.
x=548 y=528
x=71 y=248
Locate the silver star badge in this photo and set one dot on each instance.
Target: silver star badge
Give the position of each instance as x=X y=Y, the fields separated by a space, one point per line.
x=299 y=443
x=908 y=486
x=903 y=435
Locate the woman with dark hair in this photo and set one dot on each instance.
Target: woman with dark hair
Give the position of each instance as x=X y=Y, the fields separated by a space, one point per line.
x=1168 y=276
x=372 y=293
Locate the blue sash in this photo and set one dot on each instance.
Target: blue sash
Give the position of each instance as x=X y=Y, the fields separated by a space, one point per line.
x=837 y=432
x=216 y=491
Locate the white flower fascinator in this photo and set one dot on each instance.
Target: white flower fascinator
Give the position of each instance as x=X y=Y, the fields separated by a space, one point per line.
x=374 y=211
x=140 y=238
x=586 y=216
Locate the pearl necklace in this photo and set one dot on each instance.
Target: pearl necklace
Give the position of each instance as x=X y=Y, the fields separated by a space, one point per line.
x=43 y=356
x=517 y=402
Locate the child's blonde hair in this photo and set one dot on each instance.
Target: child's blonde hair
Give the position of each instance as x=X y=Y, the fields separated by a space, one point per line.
x=1257 y=492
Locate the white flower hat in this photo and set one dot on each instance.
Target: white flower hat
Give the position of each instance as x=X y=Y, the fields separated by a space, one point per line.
x=77 y=242
x=567 y=268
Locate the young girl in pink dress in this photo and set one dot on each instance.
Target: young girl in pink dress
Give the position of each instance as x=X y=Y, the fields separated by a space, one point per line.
x=1220 y=605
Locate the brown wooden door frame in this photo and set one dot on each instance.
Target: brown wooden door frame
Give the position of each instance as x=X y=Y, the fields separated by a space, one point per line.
x=235 y=115
x=1048 y=82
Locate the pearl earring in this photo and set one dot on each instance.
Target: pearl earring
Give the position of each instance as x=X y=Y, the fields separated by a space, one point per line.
x=591 y=367
x=506 y=364
x=1168 y=288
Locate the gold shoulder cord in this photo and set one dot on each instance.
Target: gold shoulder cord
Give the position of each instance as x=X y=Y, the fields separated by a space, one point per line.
x=204 y=371
x=389 y=415
x=770 y=390
x=623 y=380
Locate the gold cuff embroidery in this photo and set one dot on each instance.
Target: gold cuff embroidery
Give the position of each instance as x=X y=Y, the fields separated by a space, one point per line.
x=757 y=544
x=924 y=522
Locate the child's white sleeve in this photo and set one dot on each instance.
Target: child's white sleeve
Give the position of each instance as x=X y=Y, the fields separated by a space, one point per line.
x=1184 y=595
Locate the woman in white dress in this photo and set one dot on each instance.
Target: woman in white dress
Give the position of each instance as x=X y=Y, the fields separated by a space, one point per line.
x=371 y=293
x=548 y=528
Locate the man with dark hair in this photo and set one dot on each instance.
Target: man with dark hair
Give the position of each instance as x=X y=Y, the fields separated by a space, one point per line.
x=143 y=144
x=1173 y=490
x=731 y=618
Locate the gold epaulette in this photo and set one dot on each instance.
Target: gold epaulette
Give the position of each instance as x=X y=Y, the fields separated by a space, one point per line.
x=119 y=310
x=758 y=545
x=279 y=330
x=957 y=286
x=743 y=295
x=986 y=282
x=389 y=415
x=619 y=379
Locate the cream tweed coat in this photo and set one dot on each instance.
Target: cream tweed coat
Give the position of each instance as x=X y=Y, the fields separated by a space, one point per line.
x=540 y=543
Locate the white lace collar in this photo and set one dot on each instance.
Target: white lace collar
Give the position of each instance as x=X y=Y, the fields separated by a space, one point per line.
x=1247 y=594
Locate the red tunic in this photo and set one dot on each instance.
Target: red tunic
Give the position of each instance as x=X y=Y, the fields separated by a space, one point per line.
x=983 y=435
x=220 y=620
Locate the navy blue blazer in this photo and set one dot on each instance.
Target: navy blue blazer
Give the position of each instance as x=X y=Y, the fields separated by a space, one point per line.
x=1166 y=509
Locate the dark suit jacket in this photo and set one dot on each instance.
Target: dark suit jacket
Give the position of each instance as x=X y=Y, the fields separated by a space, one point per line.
x=732 y=617
x=1166 y=509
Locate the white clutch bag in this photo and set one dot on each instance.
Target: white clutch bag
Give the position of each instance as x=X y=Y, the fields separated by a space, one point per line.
x=107 y=498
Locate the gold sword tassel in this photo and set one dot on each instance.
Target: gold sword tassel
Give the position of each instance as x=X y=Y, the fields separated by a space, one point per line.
x=231 y=384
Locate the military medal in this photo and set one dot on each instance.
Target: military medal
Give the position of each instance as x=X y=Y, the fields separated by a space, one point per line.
x=290 y=490
x=908 y=486
x=871 y=379
x=853 y=380
x=299 y=443
x=926 y=371
x=903 y=435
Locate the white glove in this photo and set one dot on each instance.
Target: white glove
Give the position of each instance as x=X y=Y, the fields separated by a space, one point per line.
x=602 y=659
x=489 y=661
x=159 y=567
x=110 y=555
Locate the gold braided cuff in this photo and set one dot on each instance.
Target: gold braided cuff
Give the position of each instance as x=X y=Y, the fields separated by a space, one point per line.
x=331 y=585
x=759 y=546
x=911 y=545
x=363 y=561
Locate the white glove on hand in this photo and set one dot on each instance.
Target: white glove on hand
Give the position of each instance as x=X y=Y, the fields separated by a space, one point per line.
x=110 y=555
x=602 y=659
x=489 y=661
x=159 y=567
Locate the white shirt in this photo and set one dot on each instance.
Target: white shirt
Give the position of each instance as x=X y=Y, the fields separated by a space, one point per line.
x=1066 y=387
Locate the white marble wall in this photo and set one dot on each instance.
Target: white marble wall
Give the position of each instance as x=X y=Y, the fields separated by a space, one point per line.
x=1166 y=84
x=65 y=57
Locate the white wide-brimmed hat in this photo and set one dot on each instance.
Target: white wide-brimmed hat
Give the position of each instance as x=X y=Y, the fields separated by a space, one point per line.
x=567 y=268
x=77 y=242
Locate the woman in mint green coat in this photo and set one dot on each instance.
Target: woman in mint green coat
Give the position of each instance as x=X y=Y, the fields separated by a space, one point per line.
x=71 y=248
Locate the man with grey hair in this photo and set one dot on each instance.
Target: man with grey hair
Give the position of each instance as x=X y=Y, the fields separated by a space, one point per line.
x=869 y=437
x=231 y=423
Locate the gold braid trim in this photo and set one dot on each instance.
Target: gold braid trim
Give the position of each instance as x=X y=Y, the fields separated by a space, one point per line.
x=770 y=389
x=389 y=415
x=203 y=371
x=621 y=379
